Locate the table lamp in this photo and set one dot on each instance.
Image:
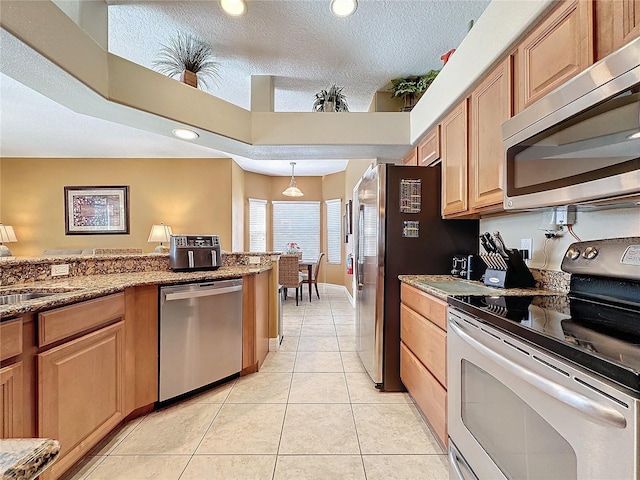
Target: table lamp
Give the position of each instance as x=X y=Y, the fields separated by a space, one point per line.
x=7 y=235
x=160 y=233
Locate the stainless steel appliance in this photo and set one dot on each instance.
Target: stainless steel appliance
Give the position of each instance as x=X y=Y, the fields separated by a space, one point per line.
x=200 y=335
x=548 y=387
x=399 y=230
x=194 y=252
x=581 y=143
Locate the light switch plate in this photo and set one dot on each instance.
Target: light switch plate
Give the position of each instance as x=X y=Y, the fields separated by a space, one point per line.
x=57 y=270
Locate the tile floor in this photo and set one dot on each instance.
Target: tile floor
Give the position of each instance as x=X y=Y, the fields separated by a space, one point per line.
x=310 y=413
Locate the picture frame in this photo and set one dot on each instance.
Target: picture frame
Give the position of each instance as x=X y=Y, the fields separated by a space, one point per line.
x=91 y=210
x=349 y=220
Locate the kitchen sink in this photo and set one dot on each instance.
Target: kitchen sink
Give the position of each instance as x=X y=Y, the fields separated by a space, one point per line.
x=14 y=298
x=458 y=287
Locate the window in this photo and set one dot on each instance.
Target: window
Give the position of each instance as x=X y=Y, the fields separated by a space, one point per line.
x=297 y=222
x=257 y=225
x=334 y=237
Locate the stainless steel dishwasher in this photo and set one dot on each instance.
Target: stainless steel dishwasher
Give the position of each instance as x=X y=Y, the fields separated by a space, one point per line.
x=200 y=335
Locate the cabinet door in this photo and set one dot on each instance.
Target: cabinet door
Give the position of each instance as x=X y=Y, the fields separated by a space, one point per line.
x=558 y=49
x=429 y=147
x=454 y=160
x=410 y=158
x=490 y=106
x=626 y=21
x=80 y=395
x=11 y=404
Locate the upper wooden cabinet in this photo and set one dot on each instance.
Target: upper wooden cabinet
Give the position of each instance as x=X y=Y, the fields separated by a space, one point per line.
x=558 y=49
x=617 y=22
x=490 y=105
x=411 y=158
x=429 y=147
x=454 y=152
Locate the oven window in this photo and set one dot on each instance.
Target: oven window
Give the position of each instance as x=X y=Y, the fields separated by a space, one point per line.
x=519 y=441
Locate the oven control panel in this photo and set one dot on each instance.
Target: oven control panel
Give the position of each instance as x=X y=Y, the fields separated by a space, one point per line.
x=612 y=257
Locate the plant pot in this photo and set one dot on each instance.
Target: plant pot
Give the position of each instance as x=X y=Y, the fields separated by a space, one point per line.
x=329 y=106
x=189 y=78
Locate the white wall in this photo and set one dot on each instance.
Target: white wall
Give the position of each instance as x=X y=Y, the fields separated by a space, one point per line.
x=611 y=223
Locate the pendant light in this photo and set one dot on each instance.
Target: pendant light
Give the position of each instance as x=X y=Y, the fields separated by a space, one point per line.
x=292 y=190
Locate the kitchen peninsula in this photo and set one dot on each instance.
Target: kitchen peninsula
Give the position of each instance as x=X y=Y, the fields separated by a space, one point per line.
x=82 y=355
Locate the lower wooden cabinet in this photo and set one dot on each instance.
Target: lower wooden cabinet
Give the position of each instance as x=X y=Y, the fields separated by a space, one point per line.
x=11 y=403
x=429 y=395
x=80 y=396
x=423 y=355
x=255 y=321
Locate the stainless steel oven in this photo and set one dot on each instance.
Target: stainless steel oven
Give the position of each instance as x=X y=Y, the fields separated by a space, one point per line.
x=549 y=387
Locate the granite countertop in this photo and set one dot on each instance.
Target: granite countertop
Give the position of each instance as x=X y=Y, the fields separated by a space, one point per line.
x=75 y=289
x=26 y=458
x=437 y=286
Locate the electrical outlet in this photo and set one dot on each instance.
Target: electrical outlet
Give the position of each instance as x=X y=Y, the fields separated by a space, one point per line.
x=57 y=270
x=254 y=260
x=566 y=215
x=527 y=244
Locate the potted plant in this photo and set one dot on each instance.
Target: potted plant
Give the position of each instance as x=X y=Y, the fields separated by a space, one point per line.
x=331 y=100
x=410 y=88
x=294 y=249
x=190 y=57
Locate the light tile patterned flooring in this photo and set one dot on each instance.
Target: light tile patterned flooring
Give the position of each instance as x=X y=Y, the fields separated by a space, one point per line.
x=311 y=413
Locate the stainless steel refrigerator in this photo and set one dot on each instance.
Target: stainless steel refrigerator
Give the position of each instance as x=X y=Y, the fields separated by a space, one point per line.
x=398 y=230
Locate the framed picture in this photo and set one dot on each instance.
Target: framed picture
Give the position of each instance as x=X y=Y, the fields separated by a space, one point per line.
x=96 y=210
x=349 y=223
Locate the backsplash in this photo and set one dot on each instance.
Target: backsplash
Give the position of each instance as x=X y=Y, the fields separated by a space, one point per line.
x=29 y=270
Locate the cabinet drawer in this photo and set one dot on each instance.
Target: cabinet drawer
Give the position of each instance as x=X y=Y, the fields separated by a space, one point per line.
x=429 y=307
x=427 y=342
x=429 y=395
x=10 y=338
x=65 y=322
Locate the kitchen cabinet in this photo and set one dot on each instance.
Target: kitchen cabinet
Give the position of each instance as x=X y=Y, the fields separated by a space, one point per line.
x=141 y=348
x=555 y=51
x=454 y=150
x=81 y=388
x=429 y=147
x=255 y=321
x=490 y=106
x=423 y=355
x=411 y=158
x=11 y=403
x=617 y=22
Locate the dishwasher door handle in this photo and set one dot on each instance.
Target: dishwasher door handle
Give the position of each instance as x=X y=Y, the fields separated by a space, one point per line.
x=202 y=293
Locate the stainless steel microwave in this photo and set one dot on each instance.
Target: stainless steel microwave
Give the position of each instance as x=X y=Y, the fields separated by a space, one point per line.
x=580 y=144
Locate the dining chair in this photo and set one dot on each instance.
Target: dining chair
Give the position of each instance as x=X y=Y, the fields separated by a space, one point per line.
x=289 y=275
x=314 y=276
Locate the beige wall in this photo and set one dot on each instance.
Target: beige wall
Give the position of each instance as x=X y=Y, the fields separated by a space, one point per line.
x=237 y=207
x=191 y=195
x=333 y=188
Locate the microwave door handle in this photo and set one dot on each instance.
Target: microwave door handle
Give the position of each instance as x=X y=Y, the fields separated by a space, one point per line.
x=563 y=394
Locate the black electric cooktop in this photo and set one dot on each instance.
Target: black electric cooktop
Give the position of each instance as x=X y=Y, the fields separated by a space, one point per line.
x=603 y=338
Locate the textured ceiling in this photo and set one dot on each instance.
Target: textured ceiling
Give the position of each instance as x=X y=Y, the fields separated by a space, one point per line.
x=299 y=43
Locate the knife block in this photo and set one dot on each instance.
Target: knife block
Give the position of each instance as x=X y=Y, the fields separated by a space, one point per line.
x=513 y=274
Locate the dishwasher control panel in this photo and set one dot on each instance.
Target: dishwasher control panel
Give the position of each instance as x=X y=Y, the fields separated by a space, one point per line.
x=194 y=252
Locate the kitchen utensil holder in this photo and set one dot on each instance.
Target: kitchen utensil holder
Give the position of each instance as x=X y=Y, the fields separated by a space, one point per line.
x=507 y=272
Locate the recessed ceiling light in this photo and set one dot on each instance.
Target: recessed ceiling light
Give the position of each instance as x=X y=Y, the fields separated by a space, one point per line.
x=185 y=134
x=343 y=8
x=235 y=8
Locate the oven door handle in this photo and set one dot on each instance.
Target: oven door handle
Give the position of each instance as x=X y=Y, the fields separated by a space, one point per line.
x=565 y=395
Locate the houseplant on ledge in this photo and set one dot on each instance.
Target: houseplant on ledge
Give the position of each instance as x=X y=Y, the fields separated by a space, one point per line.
x=190 y=57
x=331 y=100
x=411 y=88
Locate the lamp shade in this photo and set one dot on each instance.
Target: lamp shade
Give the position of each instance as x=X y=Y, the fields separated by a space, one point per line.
x=292 y=190
x=160 y=233
x=7 y=234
